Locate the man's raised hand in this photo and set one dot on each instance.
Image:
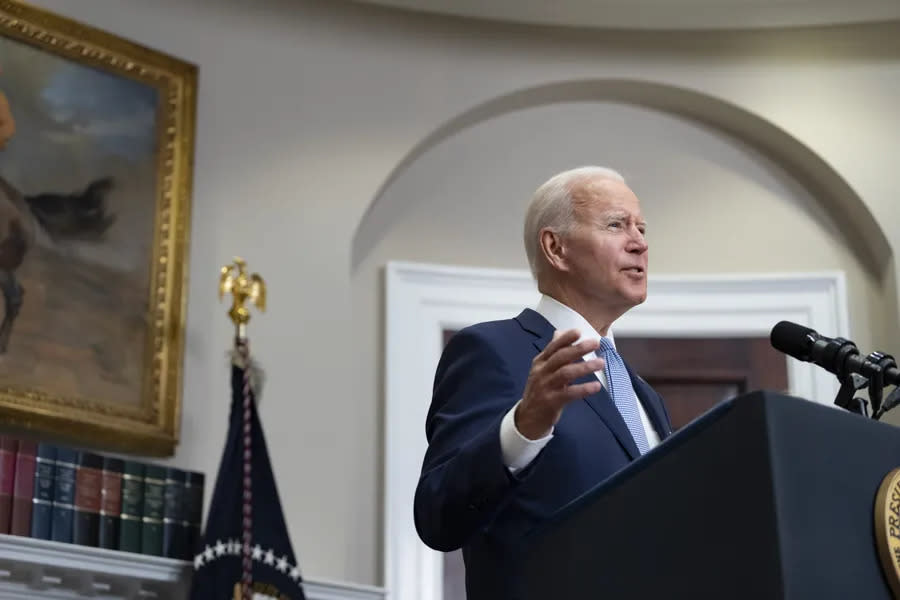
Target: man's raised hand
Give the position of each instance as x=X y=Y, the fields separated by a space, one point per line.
x=549 y=387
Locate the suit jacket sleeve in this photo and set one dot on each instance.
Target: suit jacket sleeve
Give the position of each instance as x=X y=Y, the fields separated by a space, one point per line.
x=464 y=481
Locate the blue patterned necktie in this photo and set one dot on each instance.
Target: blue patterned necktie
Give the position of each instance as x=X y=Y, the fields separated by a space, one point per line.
x=623 y=393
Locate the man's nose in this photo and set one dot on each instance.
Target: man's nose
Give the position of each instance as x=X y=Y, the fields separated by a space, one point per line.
x=637 y=243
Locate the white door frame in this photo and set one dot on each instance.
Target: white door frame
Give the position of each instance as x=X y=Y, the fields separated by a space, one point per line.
x=422 y=300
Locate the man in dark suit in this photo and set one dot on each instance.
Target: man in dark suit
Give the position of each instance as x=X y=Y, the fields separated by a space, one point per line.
x=531 y=412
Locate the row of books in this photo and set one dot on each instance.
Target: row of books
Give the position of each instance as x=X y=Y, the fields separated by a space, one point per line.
x=52 y=492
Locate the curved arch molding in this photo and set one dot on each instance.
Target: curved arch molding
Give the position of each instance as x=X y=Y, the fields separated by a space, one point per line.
x=824 y=183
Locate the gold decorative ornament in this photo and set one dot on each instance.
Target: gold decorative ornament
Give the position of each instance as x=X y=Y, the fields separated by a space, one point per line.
x=887 y=528
x=144 y=323
x=235 y=280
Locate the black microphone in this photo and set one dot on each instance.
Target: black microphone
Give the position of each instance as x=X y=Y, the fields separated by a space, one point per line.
x=836 y=355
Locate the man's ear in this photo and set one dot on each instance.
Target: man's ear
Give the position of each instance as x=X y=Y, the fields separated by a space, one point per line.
x=554 y=249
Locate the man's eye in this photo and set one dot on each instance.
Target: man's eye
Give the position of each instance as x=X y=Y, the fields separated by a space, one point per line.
x=615 y=224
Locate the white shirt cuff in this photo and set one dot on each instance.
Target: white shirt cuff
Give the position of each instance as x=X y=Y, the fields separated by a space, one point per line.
x=518 y=451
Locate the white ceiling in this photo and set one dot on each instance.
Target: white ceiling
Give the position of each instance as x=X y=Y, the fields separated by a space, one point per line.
x=662 y=14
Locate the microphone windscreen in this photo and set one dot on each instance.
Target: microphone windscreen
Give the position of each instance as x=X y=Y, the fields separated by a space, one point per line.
x=793 y=339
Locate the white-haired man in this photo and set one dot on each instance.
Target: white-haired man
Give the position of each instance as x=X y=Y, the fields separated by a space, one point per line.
x=529 y=413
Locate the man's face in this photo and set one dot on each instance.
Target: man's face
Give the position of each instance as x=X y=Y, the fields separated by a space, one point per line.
x=606 y=250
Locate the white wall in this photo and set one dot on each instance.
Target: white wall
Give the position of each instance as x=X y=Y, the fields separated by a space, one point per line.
x=304 y=110
x=713 y=204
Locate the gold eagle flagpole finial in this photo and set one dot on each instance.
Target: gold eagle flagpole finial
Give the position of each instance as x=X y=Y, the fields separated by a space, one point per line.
x=243 y=287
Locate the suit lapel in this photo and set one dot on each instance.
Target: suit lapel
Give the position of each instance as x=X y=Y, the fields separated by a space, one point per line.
x=601 y=402
x=532 y=322
x=652 y=404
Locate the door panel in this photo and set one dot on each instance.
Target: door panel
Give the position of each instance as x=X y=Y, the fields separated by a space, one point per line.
x=694 y=374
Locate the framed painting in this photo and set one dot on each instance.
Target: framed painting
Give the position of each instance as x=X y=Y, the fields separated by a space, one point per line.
x=96 y=149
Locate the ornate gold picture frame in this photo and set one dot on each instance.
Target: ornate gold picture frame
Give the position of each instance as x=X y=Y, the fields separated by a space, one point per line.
x=96 y=149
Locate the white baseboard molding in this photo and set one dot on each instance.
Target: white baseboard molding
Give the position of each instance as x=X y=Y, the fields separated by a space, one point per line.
x=32 y=569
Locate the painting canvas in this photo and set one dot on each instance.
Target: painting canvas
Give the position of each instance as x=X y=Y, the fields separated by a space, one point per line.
x=83 y=159
x=95 y=147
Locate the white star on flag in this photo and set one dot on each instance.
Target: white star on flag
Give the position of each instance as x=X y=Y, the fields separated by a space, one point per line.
x=220 y=548
x=198 y=561
x=208 y=553
x=257 y=552
x=282 y=564
x=270 y=557
x=295 y=573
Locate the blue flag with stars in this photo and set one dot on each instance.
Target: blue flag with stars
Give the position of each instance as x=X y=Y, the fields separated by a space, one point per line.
x=221 y=567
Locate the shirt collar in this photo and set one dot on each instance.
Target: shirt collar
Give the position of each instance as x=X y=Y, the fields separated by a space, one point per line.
x=562 y=317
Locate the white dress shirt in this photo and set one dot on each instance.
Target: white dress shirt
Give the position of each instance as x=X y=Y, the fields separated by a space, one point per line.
x=518 y=451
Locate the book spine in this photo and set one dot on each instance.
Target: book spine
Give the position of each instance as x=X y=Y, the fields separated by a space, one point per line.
x=64 y=495
x=88 y=486
x=44 y=484
x=193 y=514
x=130 y=524
x=154 y=502
x=173 y=514
x=110 y=503
x=23 y=489
x=9 y=447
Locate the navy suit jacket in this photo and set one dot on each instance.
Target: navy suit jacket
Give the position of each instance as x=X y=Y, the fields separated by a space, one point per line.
x=466 y=497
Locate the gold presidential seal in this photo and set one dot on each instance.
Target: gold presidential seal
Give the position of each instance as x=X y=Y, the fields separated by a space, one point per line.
x=887 y=528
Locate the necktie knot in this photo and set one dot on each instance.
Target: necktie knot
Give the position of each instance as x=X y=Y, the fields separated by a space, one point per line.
x=606 y=345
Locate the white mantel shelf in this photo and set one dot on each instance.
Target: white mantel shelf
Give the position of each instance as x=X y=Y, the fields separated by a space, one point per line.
x=33 y=569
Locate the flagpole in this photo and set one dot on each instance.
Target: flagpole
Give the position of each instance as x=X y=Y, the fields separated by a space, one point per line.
x=244 y=287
